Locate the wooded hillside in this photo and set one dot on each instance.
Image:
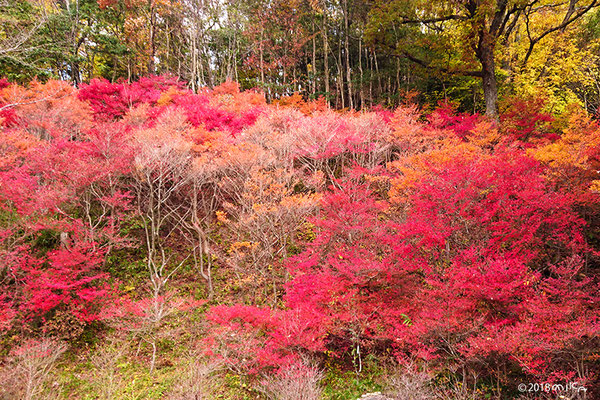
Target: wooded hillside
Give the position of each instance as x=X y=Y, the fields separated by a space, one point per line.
x=300 y=200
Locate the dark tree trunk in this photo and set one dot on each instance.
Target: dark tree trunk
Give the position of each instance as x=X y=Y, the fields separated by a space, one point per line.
x=490 y=89
x=485 y=54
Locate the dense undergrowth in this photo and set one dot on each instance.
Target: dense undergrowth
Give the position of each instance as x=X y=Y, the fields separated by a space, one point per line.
x=158 y=243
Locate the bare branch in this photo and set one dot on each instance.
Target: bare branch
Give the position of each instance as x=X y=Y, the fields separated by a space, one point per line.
x=424 y=64
x=570 y=16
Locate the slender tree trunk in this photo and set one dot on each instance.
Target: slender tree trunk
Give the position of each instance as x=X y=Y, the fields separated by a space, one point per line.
x=378 y=75
x=167 y=48
x=194 y=72
x=314 y=62
x=294 y=79
x=362 y=76
x=325 y=54
x=200 y=66
x=340 y=73
x=397 y=91
x=347 y=51
x=236 y=52
x=370 y=66
x=128 y=69
x=151 y=63
x=262 y=65
x=76 y=43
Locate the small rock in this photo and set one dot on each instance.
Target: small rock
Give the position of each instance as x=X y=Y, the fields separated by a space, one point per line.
x=374 y=396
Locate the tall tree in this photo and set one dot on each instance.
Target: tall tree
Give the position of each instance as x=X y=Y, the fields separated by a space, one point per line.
x=20 y=23
x=479 y=26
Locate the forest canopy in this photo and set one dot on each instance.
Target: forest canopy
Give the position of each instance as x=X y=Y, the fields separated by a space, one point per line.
x=477 y=53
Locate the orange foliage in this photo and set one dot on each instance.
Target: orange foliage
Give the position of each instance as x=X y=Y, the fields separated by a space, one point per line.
x=421 y=148
x=14 y=145
x=573 y=159
x=167 y=96
x=229 y=97
x=306 y=107
x=49 y=109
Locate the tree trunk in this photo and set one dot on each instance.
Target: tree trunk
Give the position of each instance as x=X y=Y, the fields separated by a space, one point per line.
x=485 y=53
x=340 y=73
x=347 y=51
x=151 y=61
x=325 y=53
x=313 y=69
x=362 y=76
x=370 y=66
x=490 y=91
x=262 y=65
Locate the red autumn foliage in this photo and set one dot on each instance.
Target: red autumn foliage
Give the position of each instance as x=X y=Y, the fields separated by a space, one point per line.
x=223 y=109
x=500 y=203
x=201 y=112
x=526 y=121
x=7 y=113
x=67 y=279
x=445 y=117
x=458 y=242
x=470 y=271
x=111 y=101
x=81 y=289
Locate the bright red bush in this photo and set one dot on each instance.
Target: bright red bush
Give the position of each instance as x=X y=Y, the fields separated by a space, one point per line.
x=201 y=112
x=468 y=274
x=445 y=117
x=498 y=204
x=67 y=280
x=526 y=121
x=111 y=101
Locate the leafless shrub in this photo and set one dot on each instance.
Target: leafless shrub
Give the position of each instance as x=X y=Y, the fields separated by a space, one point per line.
x=197 y=383
x=414 y=383
x=297 y=382
x=106 y=372
x=460 y=389
x=29 y=368
x=411 y=384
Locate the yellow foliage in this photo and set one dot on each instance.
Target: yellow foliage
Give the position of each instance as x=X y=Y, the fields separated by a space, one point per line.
x=570 y=158
x=222 y=217
x=557 y=64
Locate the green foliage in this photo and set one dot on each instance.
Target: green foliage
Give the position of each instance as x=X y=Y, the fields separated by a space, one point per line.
x=82 y=380
x=238 y=387
x=341 y=384
x=46 y=240
x=70 y=378
x=127 y=265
